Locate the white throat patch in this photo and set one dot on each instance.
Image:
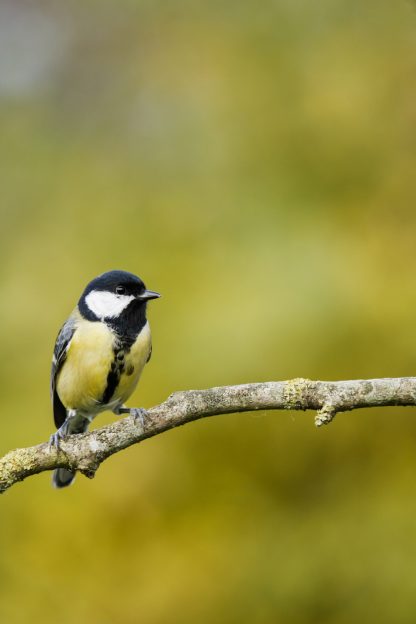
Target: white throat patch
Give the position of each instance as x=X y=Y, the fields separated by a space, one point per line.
x=105 y=304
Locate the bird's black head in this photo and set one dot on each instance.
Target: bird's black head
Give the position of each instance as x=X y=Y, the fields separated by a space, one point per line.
x=119 y=298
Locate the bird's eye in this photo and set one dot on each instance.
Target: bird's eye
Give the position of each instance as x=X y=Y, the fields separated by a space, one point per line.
x=120 y=290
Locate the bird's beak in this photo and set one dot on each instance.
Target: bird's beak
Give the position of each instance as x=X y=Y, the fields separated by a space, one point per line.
x=148 y=294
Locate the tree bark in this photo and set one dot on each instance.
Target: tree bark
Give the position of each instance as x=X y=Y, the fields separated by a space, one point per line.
x=85 y=452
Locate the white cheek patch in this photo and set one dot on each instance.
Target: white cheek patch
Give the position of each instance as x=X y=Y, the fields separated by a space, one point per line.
x=105 y=304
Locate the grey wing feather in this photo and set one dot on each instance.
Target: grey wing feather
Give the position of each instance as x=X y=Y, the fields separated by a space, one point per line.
x=59 y=355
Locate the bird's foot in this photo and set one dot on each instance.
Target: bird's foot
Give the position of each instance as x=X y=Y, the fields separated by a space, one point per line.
x=139 y=414
x=55 y=439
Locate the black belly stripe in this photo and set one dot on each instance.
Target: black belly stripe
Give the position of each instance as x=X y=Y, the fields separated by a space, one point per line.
x=112 y=382
x=127 y=328
x=114 y=374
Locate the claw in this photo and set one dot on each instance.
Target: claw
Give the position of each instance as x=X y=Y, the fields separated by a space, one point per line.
x=54 y=440
x=139 y=414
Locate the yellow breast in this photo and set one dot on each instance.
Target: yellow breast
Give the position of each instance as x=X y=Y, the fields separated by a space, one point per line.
x=82 y=381
x=83 y=377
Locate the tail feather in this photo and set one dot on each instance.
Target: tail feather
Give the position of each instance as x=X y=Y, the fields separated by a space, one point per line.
x=62 y=477
x=74 y=423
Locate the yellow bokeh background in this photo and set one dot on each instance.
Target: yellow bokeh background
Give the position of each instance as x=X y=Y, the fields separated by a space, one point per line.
x=255 y=163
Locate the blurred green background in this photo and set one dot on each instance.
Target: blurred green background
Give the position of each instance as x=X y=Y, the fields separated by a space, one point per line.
x=255 y=163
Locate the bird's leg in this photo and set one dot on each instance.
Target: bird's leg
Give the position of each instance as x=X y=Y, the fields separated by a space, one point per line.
x=62 y=432
x=139 y=414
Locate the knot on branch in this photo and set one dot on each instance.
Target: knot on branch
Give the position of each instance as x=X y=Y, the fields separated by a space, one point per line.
x=325 y=415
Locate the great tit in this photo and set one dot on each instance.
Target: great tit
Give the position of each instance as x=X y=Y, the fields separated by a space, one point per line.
x=99 y=355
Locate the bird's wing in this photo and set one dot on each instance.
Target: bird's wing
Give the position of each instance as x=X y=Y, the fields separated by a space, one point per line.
x=59 y=356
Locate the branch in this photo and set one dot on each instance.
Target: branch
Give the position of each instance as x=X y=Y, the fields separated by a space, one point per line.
x=85 y=452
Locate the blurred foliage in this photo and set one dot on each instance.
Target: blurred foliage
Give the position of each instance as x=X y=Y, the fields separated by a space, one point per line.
x=255 y=164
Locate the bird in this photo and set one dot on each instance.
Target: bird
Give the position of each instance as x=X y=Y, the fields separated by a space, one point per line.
x=99 y=355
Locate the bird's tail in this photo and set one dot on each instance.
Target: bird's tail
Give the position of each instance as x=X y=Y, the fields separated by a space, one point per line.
x=61 y=476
